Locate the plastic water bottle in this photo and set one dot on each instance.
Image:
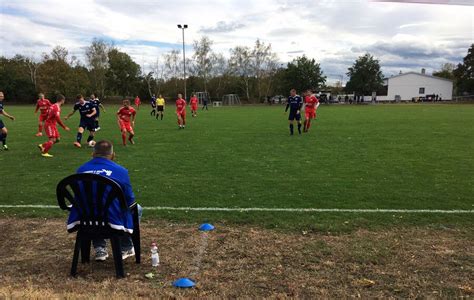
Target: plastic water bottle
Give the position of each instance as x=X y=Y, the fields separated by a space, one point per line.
x=155 y=257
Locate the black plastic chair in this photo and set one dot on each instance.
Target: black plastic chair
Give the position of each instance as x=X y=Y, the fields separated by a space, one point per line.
x=93 y=213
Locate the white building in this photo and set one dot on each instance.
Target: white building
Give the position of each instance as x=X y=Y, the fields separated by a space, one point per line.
x=411 y=85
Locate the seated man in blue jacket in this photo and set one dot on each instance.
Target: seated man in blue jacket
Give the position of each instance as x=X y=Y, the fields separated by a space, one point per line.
x=102 y=164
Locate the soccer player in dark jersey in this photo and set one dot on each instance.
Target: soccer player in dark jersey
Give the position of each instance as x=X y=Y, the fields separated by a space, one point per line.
x=98 y=105
x=87 y=111
x=153 y=105
x=3 y=129
x=43 y=106
x=50 y=126
x=126 y=120
x=181 y=111
x=311 y=104
x=294 y=104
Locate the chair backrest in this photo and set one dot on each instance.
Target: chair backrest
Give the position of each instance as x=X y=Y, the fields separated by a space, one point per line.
x=91 y=195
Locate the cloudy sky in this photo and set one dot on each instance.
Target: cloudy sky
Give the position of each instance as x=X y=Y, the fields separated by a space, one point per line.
x=403 y=36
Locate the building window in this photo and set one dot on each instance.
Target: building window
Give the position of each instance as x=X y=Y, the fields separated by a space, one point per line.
x=422 y=91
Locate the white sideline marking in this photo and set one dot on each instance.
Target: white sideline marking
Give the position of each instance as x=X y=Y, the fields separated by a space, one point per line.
x=276 y=209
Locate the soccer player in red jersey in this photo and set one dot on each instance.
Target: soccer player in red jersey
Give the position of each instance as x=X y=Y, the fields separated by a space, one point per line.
x=311 y=104
x=126 y=120
x=194 y=101
x=181 y=111
x=53 y=117
x=43 y=106
x=137 y=102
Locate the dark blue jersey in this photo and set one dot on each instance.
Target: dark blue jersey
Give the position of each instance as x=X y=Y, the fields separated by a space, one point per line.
x=1 y=107
x=294 y=103
x=96 y=102
x=85 y=109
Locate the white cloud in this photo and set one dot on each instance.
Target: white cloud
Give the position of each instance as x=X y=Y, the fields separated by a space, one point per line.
x=332 y=31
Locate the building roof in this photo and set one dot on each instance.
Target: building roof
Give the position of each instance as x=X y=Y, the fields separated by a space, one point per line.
x=415 y=73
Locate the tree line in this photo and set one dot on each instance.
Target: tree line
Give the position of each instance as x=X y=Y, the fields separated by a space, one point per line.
x=254 y=73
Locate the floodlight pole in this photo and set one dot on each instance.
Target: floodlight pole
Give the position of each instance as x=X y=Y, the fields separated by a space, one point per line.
x=183 y=27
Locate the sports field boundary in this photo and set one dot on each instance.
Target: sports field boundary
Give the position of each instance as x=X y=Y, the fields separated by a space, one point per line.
x=277 y=209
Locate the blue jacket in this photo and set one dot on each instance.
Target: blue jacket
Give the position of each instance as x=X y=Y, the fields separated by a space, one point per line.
x=117 y=218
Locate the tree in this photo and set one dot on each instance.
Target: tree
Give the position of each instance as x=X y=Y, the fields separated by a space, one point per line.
x=15 y=79
x=203 y=59
x=303 y=73
x=464 y=74
x=55 y=73
x=97 y=59
x=264 y=64
x=123 y=73
x=172 y=62
x=219 y=74
x=446 y=71
x=365 y=75
x=59 y=54
x=240 y=65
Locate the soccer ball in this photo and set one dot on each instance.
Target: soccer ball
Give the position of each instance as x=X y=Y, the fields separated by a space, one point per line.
x=91 y=143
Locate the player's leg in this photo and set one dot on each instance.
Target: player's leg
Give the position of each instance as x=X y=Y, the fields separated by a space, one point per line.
x=80 y=131
x=96 y=125
x=131 y=134
x=47 y=146
x=162 y=113
x=3 y=135
x=290 y=122
x=183 y=117
x=91 y=136
x=40 y=126
x=124 y=135
x=180 y=121
x=53 y=137
x=298 y=119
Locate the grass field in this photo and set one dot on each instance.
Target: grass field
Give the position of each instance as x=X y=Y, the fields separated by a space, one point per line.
x=372 y=156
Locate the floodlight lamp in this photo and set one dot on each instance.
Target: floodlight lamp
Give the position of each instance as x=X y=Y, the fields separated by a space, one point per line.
x=185 y=26
x=179 y=25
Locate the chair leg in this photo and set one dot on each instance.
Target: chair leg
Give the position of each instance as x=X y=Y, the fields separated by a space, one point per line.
x=85 y=250
x=137 y=247
x=136 y=237
x=116 y=250
x=75 y=258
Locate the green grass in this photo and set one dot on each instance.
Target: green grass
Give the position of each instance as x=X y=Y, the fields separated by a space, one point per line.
x=384 y=156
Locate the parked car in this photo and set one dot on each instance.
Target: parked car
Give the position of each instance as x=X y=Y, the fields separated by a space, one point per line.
x=279 y=99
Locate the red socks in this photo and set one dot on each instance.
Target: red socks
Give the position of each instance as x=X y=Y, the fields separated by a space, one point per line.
x=47 y=146
x=124 y=138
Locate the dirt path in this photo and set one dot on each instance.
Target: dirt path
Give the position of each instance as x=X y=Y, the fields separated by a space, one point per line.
x=35 y=256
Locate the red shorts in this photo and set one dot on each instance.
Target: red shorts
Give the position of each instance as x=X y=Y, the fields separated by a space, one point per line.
x=310 y=114
x=51 y=131
x=194 y=107
x=181 y=114
x=42 y=118
x=126 y=125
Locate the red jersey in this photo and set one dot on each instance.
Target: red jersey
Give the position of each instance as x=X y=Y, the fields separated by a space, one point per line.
x=54 y=115
x=126 y=113
x=43 y=105
x=194 y=101
x=137 y=101
x=311 y=102
x=180 y=105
